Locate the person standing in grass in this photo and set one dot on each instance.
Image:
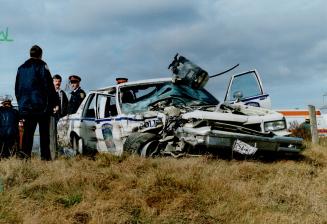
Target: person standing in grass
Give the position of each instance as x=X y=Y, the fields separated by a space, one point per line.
x=37 y=100
x=63 y=107
x=9 y=119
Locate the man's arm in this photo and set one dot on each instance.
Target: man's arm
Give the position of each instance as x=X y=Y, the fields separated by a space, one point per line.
x=64 y=103
x=53 y=99
x=17 y=91
x=82 y=96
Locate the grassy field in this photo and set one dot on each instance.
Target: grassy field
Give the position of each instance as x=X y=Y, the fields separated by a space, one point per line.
x=131 y=189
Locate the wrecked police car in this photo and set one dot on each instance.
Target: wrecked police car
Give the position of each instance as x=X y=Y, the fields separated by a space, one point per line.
x=172 y=116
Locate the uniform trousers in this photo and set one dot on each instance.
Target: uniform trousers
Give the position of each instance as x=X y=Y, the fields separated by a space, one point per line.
x=30 y=123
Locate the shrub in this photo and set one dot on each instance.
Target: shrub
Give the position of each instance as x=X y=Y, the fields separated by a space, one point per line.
x=300 y=130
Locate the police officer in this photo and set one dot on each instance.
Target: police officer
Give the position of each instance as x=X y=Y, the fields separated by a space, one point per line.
x=9 y=119
x=126 y=96
x=77 y=94
x=37 y=100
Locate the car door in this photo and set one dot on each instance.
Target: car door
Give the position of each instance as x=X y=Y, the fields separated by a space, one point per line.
x=105 y=122
x=247 y=88
x=88 y=123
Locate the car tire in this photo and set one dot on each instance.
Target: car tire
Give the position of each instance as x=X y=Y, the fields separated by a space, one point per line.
x=150 y=149
x=78 y=145
x=136 y=141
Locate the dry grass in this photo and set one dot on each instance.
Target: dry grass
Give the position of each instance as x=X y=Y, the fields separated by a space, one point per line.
x=130 y=189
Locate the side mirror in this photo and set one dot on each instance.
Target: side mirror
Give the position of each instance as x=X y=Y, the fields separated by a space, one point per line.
x=237 y=95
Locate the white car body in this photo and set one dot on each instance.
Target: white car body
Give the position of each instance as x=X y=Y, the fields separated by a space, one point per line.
x=104 y=127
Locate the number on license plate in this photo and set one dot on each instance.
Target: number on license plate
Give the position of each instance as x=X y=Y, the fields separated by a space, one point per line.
x=244 y=148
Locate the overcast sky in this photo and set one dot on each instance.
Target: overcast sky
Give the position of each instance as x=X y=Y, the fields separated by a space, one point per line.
x=286 y=41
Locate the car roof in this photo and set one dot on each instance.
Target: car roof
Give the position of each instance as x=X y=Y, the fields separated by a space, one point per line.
x=133 y=83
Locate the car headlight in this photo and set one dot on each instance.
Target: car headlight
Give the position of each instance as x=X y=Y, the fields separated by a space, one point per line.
x=274 y=125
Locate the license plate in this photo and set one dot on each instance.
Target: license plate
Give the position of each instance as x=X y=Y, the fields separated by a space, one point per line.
x=244 y=148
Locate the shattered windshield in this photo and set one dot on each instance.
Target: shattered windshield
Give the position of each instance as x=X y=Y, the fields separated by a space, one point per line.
x=141 y=97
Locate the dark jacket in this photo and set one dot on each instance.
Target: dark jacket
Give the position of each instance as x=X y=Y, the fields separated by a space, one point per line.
x=9 y=119
x=75 y=100
x=34 y=89
x=127 y=97
x=63 y=103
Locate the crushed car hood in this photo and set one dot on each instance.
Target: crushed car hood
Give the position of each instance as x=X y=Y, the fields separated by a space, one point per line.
x=237 y=113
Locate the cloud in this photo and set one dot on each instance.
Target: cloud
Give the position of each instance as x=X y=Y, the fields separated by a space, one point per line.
x=285 y=41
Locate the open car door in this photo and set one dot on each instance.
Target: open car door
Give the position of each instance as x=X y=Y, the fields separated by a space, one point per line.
x=247 y=88
x=106 y=113
x=87 y=125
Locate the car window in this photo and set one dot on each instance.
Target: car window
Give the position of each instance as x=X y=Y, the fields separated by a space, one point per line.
x=106 y=106
x=247 y=84
x=143 y=92
x=89 y=111
x=146 y=95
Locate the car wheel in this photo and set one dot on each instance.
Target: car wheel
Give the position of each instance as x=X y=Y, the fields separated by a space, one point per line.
x=150 y=149
x=137 y=143
x=78 y=145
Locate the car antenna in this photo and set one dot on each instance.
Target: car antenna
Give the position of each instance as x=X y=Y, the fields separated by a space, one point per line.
x=224 y=71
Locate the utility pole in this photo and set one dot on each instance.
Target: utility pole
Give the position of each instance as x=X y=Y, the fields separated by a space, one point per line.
x=53 y=137
x=313 y=124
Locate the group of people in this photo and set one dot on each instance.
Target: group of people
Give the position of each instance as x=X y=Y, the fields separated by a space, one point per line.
x=39 y=97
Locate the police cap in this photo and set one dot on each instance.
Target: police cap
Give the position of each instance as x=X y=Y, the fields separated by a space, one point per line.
x=121 y=80
x=74 y=78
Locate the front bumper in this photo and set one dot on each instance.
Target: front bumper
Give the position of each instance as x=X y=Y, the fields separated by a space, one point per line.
x=204 y=136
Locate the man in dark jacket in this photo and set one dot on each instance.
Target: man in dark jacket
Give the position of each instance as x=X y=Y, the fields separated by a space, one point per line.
x=37 y=100
x=9 y=119
x=77 y=95
x=63 y=100
x=63 y=107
